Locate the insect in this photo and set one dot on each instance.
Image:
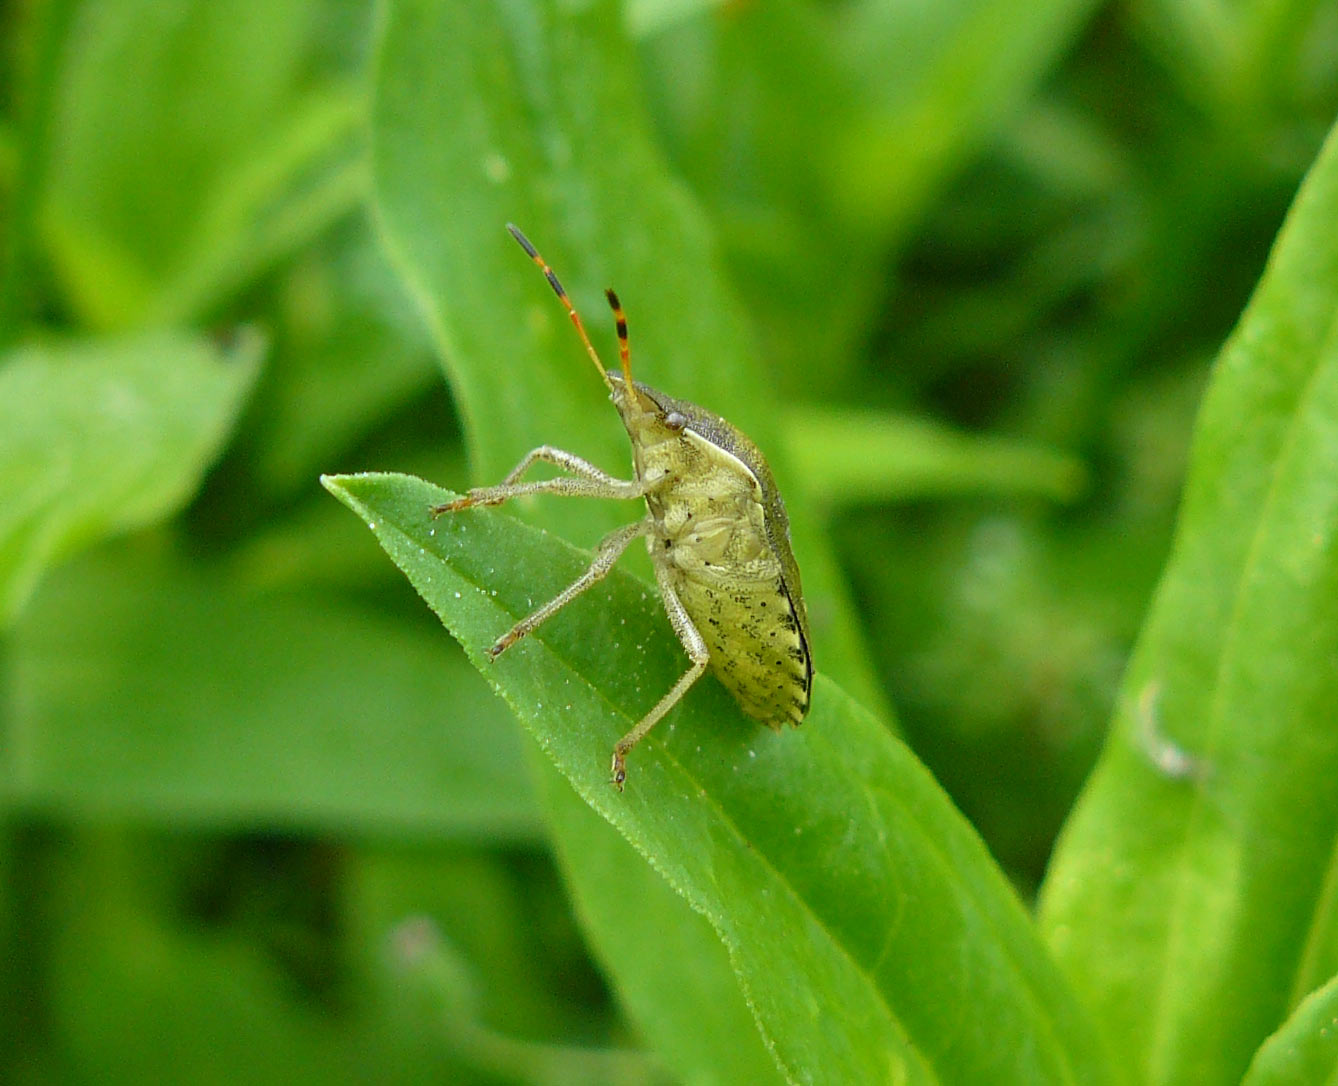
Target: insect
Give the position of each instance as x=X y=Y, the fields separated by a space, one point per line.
x=717 y=533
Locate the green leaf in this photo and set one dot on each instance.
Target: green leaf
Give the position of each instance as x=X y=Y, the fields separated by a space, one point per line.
x=150 y=688
x=1189 y=897
x=1244 y=63
x=101 y=436
x=450 y=946
x=870 y=895
x=349 y=351
x=120 y=953
x=940 y=80
x=818 y=135
x=251 y=154
x=849 y=455
x=1305 y=1049
x=667 y=979
x=36 y=37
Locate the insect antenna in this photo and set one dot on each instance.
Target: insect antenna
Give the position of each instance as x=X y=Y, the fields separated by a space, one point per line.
x=620 y=320
x=553 y=282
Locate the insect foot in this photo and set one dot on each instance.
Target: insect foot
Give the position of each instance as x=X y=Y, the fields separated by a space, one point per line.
x=716 y=530
x=503 y=643
x=478 y=496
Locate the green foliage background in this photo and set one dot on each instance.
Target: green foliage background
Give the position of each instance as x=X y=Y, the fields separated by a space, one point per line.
x=961 y=268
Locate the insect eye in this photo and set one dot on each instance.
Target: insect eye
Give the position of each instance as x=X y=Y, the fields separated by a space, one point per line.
x=675 y=420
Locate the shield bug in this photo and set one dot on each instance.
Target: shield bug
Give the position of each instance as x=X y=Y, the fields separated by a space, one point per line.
x=717 y=533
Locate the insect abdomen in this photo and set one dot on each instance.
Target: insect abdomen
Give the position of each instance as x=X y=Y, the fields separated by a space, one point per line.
x=713 y=540
x=757 y=650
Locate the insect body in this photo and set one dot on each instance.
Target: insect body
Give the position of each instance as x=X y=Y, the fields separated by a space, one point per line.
x=717 y=534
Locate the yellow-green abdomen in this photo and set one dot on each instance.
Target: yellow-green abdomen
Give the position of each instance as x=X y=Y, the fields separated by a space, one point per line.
x=757 y=649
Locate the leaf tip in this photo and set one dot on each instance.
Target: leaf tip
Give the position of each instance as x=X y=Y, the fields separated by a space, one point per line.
x=338 y=486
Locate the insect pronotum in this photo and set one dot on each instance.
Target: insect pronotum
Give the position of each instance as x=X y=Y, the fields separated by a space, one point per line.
x=717 y=533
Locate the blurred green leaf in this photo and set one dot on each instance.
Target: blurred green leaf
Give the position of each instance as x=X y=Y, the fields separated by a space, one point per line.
x=101 y=436
x=349 y=350
x=252 y=154
x=818 y=135
x=747 y=100
x=851 y=455
x=871 y=894
x=1247 y=63
x=644 y=17
x=457 y=962
x=125 y=950
x=940 y=79
x=1186 y=899
x=144 y=686
x=34 y=38
x=1305 y=1049
x=443 y=976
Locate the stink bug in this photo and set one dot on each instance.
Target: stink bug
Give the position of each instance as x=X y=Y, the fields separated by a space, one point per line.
x=717 y=534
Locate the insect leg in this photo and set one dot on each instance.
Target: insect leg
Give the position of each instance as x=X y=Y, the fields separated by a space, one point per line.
x=559 y=458
x=696 y=649
x=590 y=482
x=610 y=547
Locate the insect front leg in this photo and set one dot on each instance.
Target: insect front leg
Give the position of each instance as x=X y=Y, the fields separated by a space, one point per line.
x=607 y=553
x=589 y=481
x=695 y=646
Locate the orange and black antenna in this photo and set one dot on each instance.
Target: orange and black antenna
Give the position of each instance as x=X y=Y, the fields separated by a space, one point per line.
x=620 y=320
x=571 y=309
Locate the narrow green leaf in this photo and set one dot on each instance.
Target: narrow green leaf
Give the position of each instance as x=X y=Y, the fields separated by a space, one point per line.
x=101 y=436
x=1243 y=63
x=150 y=688
x=1305 y=1050
x=1189 y=896
x=36 y=36
x=852 y=455
x=874 y=937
